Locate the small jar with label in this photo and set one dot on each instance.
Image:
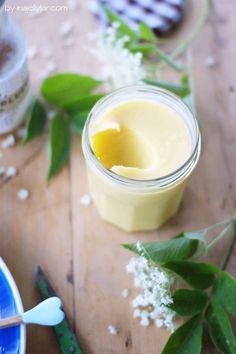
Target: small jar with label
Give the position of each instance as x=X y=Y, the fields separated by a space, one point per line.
x=15 y=95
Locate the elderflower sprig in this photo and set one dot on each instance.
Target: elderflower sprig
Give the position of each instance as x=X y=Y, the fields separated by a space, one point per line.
x=119 y=66
x=152 y=304
x=209 y=296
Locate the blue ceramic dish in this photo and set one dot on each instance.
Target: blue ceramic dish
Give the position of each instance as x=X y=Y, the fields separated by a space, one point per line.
x=12 y=340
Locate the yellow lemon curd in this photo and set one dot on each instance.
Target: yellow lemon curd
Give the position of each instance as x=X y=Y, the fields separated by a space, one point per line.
x=141 y=139
x=137 y=142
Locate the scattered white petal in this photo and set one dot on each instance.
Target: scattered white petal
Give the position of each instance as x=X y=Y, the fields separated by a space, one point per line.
x=51 y=67
x=21 y=132
x=66 y=28
x=85 y=200
x=2 y=170
x=112 y=330
x=8 y=142
x=69 y=42
x=46 y=53
x=210 y=61
x=125 y=293
x=11 y=171
x=32 y=53
x=145 y=322
x=23 y=194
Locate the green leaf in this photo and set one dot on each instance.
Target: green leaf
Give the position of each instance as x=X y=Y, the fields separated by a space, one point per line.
x=61 y=89
x=196 y=235
x=84 y=103
x=185 y=80
x=198 y=275
x=123 y=27
x=146 y=33
x=200 y=236
x=163 y=251
x=224 y=292
x=188 y=99
x=220 y=328
x=59 y=145
x=187 y=339
x=144 y=49
x=36 y=122
x=179 y=90
x=78 y=120
x=189 y=302
x=167 y=59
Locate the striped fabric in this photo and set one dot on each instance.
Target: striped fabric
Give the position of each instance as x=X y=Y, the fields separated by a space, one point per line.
x=160 y=15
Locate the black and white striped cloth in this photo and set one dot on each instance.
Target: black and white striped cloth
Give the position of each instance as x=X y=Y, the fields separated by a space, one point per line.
x=160 y=15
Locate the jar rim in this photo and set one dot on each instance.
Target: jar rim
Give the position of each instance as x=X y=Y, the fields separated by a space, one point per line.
x=160 y=182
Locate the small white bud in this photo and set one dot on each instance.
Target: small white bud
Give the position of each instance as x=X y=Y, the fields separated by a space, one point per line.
x=145 y=322
x=112 y=330
x=210 y=61
x=85 y=200
x=32 y=53
x=23 y=194
x=66 y=28
x=125 y=293
x=8 y=142
x=11 y=171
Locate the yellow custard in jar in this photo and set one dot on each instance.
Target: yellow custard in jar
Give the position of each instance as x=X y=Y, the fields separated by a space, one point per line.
x=143 y=143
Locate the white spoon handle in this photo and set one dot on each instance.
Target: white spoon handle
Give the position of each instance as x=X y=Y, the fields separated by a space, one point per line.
x=47 y=313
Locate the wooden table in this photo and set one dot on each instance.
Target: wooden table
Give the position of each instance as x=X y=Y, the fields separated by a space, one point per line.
x=79 y=252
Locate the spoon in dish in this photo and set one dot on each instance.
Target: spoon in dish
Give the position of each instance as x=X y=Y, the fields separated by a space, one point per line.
x=47 y=313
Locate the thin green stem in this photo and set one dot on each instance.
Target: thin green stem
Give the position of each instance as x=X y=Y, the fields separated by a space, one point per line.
x=212 y=227
x=220 y=236
x=187 y=42
x=229 y=251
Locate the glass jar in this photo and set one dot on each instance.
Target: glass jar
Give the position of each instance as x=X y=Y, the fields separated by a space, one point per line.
x=15 y=96
x=131 y=204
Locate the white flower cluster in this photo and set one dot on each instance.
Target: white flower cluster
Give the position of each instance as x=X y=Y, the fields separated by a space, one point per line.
x=151 y=304
x=120 y=67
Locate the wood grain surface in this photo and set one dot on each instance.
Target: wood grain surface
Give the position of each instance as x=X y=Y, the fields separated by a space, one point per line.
x=79 y=252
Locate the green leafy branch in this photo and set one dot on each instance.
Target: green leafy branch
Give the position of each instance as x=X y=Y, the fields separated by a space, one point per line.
x=210 y=298
x=71 y=95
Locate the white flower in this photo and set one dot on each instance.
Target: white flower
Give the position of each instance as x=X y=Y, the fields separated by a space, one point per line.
x=120 y=67
x=159 y=322
x=152 y=303
x=145 y=322
x=112 y=330
x=125 y=293
x=137 y=313
x=11 y=171
x=85 y=200
x=9 y=141
x=23 y=194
